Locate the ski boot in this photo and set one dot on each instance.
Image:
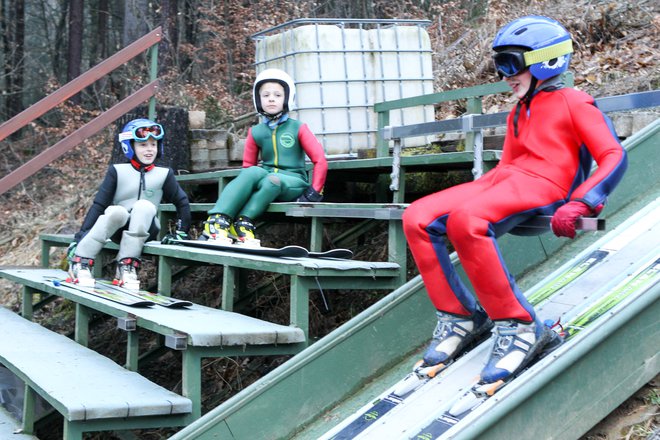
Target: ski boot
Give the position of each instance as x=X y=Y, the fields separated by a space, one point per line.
x=451 y=335
x=243 y=231
x=516 y=345
x=216 y=228
x=126 y=274
x=80 y=271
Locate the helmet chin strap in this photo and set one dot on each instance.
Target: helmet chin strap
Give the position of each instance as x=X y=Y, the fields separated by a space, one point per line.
x=524 y=100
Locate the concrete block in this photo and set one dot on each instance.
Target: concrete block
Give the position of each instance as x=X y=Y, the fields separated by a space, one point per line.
x=200 y=165
x=642 y=119
x=236 y=148
x=196 y=119
x=623 y=124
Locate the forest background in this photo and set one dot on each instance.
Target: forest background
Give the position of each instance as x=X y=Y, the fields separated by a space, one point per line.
x=206 y=63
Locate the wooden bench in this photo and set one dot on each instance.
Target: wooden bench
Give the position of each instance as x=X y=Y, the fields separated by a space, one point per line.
x=90 y=391
x=390 y=212
x=318 y=212
x=197 y=331
x=305 y=274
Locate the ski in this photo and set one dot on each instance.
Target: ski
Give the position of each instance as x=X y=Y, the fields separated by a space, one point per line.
x=569 y=275
x=563 y=277
x=158 y=299
x=342 y=254
x=291 y=251
x=101 y=292
x=638 y=282
x=287 y=251
x=644 y=279
x=576 y=269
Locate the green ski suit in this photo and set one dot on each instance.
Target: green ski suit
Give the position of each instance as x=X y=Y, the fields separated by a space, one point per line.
x=282 y=174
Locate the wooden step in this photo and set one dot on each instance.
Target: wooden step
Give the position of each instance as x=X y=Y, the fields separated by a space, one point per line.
x=81 y=384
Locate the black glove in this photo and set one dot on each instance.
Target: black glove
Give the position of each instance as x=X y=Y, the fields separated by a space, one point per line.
x=310 y=195
x=173 y=238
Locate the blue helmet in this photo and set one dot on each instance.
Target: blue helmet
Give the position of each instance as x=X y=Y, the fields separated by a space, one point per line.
x=534 y=41
x=140 y=130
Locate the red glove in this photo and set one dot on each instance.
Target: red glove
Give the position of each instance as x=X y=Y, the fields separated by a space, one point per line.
x=563 y=222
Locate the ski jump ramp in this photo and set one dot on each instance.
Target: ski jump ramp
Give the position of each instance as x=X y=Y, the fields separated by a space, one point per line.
x=318 y=391
x=605 y=273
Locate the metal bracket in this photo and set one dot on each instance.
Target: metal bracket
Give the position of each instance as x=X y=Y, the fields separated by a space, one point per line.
x=178 y=341
x=386 y=132
x=128 y=324
x=467 y=122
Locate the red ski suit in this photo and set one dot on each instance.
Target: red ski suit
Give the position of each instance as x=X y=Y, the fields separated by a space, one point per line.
x=546 y=165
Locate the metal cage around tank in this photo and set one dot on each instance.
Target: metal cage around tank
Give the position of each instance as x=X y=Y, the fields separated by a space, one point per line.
x=342 y=67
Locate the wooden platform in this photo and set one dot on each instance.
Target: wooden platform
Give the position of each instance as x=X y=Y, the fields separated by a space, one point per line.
x=197 y=331
x=85 y=387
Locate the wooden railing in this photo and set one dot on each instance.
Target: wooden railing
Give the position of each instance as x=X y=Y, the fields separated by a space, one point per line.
x=148 y=42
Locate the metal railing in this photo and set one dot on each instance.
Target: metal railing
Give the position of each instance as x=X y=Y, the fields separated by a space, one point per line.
x=473 y=123
x=148 y=42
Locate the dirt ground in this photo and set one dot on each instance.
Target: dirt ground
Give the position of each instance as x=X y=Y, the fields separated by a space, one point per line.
x=636 y=419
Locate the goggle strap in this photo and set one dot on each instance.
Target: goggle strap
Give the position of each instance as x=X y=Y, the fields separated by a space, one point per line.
x=548 y=53
x=125 y=136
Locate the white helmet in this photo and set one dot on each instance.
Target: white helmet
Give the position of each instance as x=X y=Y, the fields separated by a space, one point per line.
x=278 y=76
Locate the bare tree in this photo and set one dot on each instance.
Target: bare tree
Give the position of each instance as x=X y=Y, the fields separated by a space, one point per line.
x=75 y=47
x=169 y=12
x=13 y=32
x=100 y=50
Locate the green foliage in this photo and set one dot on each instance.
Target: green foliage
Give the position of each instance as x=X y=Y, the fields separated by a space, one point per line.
x=654 y=397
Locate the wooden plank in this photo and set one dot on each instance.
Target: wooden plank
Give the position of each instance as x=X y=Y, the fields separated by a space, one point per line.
x=203 y=326
x=289 y=266
x=80 y=383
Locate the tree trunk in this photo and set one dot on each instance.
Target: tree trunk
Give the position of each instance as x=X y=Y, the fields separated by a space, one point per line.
x=135 y=21
x=170 y=41
x=14 y=42
x=74 y=54
x=100 y=52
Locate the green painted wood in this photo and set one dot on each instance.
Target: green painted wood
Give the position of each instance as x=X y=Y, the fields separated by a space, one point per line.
x=81 y=332
x=436 y=98
x=29 y=404
x=300 y=388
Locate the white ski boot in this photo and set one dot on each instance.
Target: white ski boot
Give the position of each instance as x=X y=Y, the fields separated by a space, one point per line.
x=126 y=274
x=80 y=271
x=516 y=344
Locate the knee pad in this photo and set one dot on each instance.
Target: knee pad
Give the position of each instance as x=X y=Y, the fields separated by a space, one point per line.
x=116 y=217
x=142 y=215
x=144 y=207
x=275 y=180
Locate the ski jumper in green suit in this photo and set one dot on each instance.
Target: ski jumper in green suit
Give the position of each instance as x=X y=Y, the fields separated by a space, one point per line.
x=281 y=176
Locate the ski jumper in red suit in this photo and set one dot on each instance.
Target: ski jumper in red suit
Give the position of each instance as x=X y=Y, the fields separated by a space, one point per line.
x=544 y=166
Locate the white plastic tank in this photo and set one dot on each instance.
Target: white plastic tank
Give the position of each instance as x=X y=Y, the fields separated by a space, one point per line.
x=341 y=68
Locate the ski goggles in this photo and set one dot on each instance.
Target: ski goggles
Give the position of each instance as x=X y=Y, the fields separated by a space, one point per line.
x=156 y=131
x=513 y=61
x=509 y=63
